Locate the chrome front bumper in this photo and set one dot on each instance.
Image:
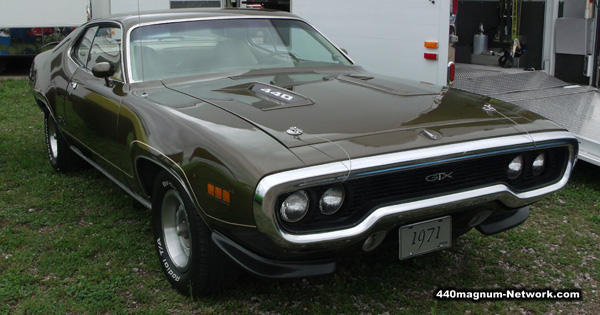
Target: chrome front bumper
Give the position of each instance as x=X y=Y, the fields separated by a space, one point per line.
x=270 y=187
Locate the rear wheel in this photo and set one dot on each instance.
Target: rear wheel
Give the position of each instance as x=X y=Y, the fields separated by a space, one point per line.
x=191 y=263
x=61 y=157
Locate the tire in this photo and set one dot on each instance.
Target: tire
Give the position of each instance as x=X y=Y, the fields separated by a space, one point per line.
x=61 y=157
x=190 y=261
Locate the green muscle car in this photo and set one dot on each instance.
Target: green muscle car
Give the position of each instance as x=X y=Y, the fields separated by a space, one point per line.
x=261 y=146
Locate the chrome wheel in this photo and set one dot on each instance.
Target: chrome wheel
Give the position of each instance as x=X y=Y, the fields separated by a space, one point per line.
x=176 y=229
x=52 y=139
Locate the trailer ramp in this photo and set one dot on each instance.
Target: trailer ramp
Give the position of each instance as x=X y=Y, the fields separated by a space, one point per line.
x=574 y=107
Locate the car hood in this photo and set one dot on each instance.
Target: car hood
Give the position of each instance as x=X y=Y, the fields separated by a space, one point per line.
x=310 y=107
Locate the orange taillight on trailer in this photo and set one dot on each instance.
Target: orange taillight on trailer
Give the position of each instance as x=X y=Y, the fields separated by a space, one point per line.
x=454 y=7
x=431 y=45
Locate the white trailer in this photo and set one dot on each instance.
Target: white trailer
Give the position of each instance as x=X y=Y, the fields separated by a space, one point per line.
x=27 y=26
x=100 y=8
x=409 y=39
x=35 y=13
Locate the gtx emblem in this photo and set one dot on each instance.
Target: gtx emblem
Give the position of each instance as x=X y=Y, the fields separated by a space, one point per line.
x=438 y=177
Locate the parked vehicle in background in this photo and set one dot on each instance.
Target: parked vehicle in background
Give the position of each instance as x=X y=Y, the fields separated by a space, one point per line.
x=25 y=29
x=259 y=145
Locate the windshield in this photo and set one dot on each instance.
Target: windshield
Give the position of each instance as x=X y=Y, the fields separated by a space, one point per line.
x=178 y=49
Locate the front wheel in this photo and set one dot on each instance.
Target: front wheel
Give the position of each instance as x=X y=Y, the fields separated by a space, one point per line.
x=191 y=263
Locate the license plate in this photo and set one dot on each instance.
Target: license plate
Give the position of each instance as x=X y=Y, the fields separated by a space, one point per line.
x=424 y=237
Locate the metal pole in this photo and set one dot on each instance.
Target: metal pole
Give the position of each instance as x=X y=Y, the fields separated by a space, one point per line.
x=548 y=51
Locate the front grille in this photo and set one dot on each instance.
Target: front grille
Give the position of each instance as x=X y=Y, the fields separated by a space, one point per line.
x=365 y=194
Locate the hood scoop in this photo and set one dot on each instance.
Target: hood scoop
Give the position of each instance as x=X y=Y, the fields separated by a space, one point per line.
x=269 y=97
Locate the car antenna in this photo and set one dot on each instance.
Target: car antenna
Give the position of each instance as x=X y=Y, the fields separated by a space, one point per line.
x=144 y=94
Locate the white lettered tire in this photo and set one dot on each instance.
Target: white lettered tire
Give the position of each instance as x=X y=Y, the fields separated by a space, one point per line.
x=191 y=263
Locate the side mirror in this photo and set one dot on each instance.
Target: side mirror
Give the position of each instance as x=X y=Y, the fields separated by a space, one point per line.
x=104 y=70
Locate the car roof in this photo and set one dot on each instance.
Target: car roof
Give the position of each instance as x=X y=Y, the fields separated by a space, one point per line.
x=131 y=19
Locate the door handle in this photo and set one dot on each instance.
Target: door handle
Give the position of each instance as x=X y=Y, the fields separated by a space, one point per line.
x=73 y=85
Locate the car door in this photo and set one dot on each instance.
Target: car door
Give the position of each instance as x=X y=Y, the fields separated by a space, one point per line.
x=92 y=106
x=64 y=69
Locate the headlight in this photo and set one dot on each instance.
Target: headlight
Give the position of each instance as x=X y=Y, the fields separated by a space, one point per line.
x=515 y=167
x=294 y=207
x=539 y=164
x=332 y=200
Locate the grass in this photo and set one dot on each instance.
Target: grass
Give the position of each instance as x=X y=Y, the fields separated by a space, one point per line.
x=76 y=243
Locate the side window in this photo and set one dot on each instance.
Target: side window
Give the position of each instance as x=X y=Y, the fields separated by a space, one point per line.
x=106 y=47
x=81 y=51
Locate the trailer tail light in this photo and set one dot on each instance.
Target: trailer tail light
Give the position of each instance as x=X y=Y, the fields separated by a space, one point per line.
x=430 y=56
x=454 y=7
x=431 y=45
x=451 y=72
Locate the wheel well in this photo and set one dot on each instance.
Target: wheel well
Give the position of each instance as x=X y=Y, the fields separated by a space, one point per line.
x=42 y=105
x=147 y=171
